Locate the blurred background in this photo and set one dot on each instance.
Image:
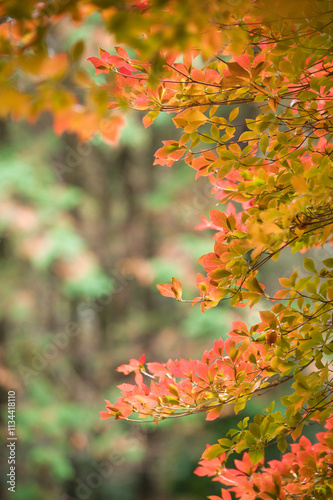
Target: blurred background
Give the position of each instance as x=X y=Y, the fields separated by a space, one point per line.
x=87 y=231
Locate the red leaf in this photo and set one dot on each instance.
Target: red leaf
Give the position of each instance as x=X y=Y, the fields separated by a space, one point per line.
x=109 y=59
x=126 y=387
x=219 y=219
x=104 y=415
x=240 y=326
x=157 y=369
x=122 y=53
x=226 y=495
x=142 y=359
x=214 y=413
x=99 y=65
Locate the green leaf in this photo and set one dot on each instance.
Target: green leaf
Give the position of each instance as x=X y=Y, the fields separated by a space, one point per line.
x=309 y=265
x=328 y=263
x=271 y=407
x=253 y=285
x=220 y=273
x=213 y=451
x=225 y=443
x=215 y=132
x=282 y=443
x=263 y=143
x=239 y=406
x=243 y=424
x=256 y=455
x=255 y=430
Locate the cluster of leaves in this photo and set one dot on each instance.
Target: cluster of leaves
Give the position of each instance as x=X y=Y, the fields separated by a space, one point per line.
x=38 y=76
x=304 y=472
x=273 y=173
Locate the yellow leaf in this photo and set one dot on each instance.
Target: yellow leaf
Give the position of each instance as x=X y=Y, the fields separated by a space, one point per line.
x=233 y=115
x=272 y=103
x=194 y=115
x=299 y=184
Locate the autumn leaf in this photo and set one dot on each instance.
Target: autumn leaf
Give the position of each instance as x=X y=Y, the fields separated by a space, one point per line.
x=174 y=290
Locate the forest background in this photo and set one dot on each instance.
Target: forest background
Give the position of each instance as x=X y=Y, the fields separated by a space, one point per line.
x=88 y=228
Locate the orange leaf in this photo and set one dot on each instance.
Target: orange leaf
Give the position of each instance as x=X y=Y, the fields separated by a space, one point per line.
x=177 y=288
x=111 y=129
x=104 y=415
x=213 y=414
x=166 y=290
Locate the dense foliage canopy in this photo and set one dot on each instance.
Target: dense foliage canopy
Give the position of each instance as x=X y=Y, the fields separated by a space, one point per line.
x=275 y=179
